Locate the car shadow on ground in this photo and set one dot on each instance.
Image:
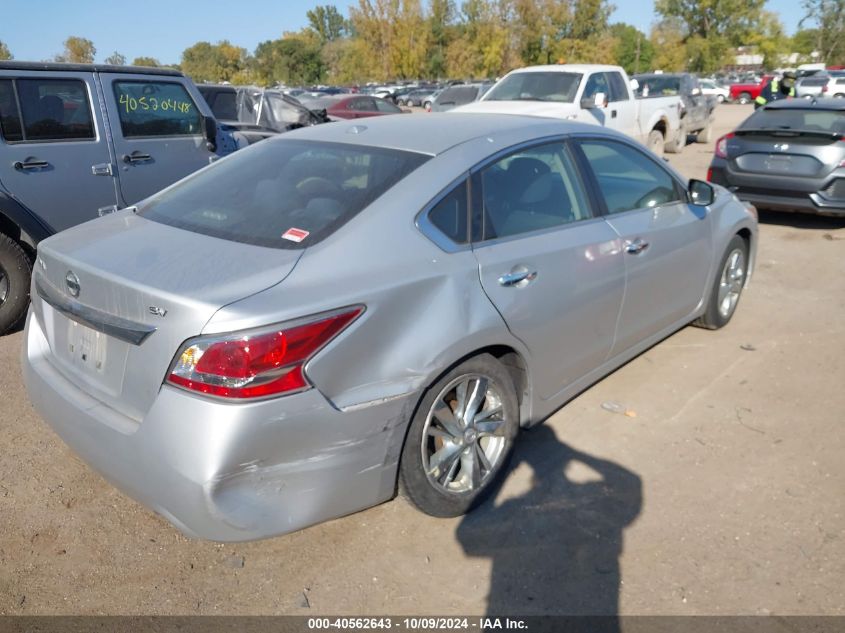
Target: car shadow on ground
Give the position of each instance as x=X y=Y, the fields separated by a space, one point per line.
x=555 y=549
x=801 y=220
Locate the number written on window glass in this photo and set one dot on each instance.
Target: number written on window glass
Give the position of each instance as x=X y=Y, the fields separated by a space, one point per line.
x=156 y=108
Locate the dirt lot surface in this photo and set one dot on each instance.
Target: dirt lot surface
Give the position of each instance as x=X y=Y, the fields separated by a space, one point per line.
x=725 y=494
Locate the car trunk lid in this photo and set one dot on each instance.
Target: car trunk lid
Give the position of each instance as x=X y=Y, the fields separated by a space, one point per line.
x=142 y=288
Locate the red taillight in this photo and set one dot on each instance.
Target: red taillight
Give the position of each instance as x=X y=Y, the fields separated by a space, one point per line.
x=256 y=363
x=722 y=145
x=709 y=174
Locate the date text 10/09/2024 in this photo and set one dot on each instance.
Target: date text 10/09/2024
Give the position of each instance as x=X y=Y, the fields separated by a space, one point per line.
x=418 y=624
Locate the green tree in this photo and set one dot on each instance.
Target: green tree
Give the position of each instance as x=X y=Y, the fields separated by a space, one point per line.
x=713 y=28
x=78 y=50
x=295 y=59
x=116 y=59
x=634 y=51
x=215 y=62
x=828 y=19
x=5 y=53
x=146 y=61
x=667 y=39
x=441 y=32
x=327 y=22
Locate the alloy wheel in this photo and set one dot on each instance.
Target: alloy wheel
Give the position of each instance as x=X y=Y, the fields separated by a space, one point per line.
x=730 y=286
x=463 y=440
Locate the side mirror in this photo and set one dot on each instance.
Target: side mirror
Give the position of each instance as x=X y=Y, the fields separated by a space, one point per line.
x=598 y=101
x=210 y=133
x=701 y=193
x=635 y=85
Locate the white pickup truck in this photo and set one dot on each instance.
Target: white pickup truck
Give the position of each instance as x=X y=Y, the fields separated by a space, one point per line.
x=590 y=93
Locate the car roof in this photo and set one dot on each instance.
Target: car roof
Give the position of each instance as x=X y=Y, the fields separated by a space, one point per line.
x=821 y=103
x=91 y=68
x=435 y=133
x=567 y=68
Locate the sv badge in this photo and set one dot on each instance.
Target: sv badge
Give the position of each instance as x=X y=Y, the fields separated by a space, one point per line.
x=155 y=310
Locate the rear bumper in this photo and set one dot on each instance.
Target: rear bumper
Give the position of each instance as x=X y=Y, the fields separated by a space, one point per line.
x=228 y=472
x=769 y=193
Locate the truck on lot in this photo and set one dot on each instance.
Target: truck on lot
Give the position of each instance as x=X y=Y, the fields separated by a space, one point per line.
x=746 y=93
x=696 y=107
x=591 y=93
x=78 y=141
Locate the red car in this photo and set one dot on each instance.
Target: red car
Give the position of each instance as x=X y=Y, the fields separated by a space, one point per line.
x=352 y=106
x=746 y=93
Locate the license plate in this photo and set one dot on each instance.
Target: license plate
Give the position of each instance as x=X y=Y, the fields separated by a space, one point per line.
x=778 y=163
x=87 y=347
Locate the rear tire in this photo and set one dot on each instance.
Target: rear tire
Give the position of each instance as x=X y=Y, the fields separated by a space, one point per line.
x=720 y=98
x=727 y=287
x=15 y=274
x=706 y=134
x=655 y=142
x=745 y=97
x=677 y=145
x=460 y=439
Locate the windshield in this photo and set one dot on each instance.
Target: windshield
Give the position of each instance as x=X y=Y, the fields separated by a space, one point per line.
x=261 y=194
x=658 y=86
x=280 y=113
x=831 y=121
x=536 y=86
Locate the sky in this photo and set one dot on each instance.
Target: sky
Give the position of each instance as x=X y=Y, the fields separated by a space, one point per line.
x=35 y=29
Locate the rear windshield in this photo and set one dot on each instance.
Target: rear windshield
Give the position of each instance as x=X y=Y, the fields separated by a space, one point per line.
x=281 y=193
x=536 y=86
x=658 y=86
x=815 y=81
x=808 y=120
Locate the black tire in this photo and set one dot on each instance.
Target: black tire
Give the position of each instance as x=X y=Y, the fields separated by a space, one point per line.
x=714 y=317
x=656 y=142
x=451 y=491
x=15 y=273
x=745 y=97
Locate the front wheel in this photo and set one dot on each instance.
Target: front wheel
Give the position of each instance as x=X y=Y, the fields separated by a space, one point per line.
x=720 y=98
x=727 y=288
x=460 y=438
x=655 y=142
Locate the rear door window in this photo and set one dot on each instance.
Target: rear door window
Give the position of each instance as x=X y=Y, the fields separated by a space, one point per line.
x=386 y=107
x=533 y=189
x=156 y=108
x=258 y=195
x=45 y=110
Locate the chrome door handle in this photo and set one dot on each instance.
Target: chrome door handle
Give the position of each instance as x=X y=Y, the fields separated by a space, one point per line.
x=135 y=157
x=30 y=163
x=101 y=169
x=518 y=278
x=636 y=246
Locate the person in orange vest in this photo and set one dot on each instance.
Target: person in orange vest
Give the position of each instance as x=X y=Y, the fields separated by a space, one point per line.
x=774 y=90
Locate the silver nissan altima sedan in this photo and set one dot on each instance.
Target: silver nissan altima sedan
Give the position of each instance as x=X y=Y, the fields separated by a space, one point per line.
x=299 y=330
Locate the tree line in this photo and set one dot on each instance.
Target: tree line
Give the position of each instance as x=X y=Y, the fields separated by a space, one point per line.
x=384 y=40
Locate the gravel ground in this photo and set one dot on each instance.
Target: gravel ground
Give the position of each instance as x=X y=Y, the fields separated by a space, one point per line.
x=723 y=494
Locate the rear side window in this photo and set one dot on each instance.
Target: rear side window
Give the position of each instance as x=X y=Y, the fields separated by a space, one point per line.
x=457 y=95
x=50 y=110
x=450 y=214
x=281 y=193
x=628 y=178
x=156 y=108
x=384 y=106
x=10 y=118
x=618 y=89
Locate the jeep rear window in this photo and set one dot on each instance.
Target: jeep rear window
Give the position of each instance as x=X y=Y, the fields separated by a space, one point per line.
x=259 y=194
x=50 y=110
